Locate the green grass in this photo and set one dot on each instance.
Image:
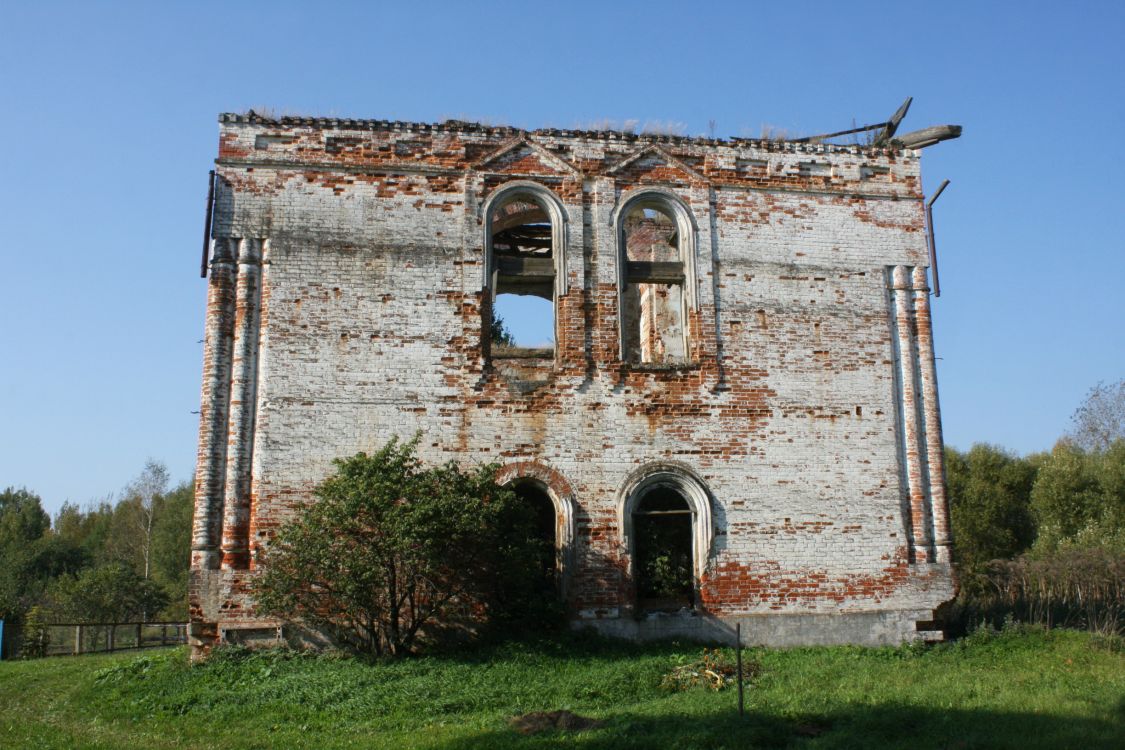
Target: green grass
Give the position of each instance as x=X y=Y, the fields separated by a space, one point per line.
x=1055 y=689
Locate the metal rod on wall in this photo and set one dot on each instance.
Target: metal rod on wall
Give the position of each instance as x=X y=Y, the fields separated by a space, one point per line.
x=930 y=236
x=207 y=224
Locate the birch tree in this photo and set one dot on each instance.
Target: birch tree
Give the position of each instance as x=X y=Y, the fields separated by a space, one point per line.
x=147 y=491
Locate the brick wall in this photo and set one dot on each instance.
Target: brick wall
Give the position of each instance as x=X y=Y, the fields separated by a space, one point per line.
x=346 y=306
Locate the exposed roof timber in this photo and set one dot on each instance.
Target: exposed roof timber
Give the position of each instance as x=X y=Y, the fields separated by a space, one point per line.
x=893 y=123
x=915 y=139
x=535 y=242
x=889 y=127
x=928 y=136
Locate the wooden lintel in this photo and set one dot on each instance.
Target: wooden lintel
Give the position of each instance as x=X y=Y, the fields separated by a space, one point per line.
x=649 y=272
x=526 y=267
x=527 y=286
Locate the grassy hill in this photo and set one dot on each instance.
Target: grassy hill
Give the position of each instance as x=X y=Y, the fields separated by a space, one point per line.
x=1019 y=689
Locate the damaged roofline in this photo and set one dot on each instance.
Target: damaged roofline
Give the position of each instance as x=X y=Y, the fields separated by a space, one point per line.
x=461 y=126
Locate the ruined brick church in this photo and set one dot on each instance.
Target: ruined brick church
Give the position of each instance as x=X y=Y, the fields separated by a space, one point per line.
x=734 y=421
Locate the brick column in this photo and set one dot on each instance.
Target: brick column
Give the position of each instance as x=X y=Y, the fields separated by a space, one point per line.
x=240 y=432
x=904 y=324
x=931 y=411
x=214 y=402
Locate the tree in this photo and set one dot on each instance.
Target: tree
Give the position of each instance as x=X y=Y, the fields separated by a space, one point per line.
x=390 y=548
x=22 y=518
x=23 y=524
x=1079 y=498
x=88 y=529
x=146 y=492
x=990 y=503
x=1100 y=420
x=171 y=548
x=107 y=593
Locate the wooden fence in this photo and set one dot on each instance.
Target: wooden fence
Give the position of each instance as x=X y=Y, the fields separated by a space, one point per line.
x=65 y=639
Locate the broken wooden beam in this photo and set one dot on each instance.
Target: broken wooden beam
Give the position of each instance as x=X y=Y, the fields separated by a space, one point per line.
x=928 y=136
x=818 y=138
x=893 y=123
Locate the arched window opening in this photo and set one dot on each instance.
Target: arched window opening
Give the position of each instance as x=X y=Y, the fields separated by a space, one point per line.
x=522 y=265
x=662 y=550
x=653 y=304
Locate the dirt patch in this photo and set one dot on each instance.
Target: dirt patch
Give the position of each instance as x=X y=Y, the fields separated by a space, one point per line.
x=540 y=721
x=812 y=728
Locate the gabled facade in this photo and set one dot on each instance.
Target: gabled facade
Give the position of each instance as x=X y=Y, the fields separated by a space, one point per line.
x=735 y=420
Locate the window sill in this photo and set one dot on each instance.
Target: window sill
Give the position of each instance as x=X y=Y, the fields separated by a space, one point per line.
x=520 y=352
x=661 y=366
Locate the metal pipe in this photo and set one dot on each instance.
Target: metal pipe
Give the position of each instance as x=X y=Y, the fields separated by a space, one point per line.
x=207 y=224
x=930 y=242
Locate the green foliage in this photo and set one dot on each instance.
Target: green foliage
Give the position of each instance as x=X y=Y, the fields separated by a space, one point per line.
x=88 y=529
x=1040 y=539
x=989 y=499
x=390 y=548
x=1079 y=498
x=171 y=549
x=147 y=530
x=499 y=332
x=29 y=554
x=35 y=635
x=22 y=518
x=109 y=593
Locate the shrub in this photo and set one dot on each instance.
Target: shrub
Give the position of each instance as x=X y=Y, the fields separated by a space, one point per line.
x=1072 y=587
x=391 y=549
x=36 y=637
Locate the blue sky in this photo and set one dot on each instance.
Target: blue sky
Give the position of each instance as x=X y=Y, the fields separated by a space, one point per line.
x=107 y=119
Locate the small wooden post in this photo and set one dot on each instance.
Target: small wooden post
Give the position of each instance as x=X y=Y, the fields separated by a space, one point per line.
x=110 y=638
x=139 y=626
x=163 y=633
x=738 y=658
x=77 y=640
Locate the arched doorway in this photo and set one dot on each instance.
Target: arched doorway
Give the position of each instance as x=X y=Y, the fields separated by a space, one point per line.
x=543 y=521
x=663 y=550
x=549 y=499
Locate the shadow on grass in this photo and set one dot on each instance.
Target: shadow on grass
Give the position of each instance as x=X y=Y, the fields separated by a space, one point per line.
x=891 y=726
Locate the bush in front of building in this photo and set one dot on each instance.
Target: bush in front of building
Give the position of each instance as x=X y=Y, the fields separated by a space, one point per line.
x=392 y=552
